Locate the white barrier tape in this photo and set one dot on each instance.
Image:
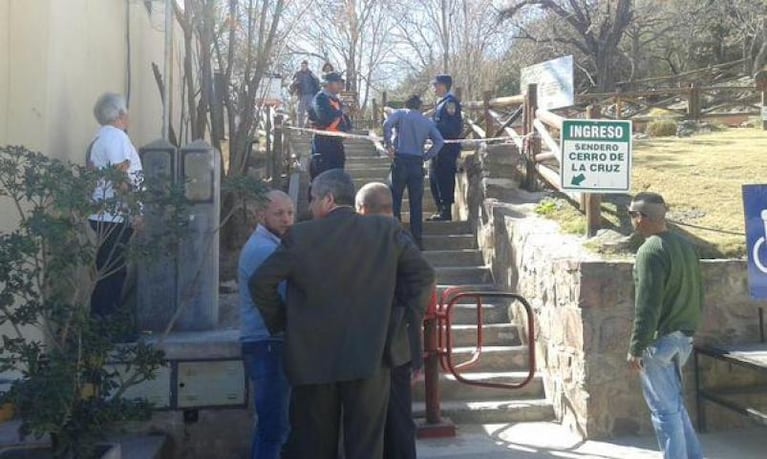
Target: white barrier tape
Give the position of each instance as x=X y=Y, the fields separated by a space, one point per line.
x=374 y=138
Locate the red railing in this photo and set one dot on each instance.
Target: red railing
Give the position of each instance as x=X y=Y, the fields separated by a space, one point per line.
x=438 y=351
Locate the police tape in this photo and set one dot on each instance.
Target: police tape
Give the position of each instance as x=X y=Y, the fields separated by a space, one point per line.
x=375 y=138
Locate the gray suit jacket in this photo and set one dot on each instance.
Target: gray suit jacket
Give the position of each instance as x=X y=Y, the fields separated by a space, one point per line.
x=341 y=273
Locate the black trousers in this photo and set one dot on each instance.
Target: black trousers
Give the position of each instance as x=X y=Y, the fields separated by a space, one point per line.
x=442 y=171
x=407 y=172
x=318 y=412
x=110 y=260
x=399 y=437
x=321 y=163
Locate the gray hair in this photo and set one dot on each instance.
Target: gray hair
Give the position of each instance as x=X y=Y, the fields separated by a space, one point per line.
x=334 y=182
x=109 y=108
x=376 y=198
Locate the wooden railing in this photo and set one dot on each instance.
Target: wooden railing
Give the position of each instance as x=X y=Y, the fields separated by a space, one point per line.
x=535 y=131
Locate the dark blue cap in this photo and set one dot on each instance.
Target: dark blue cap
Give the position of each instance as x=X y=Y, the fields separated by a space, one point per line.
x=447 y=80
x=333 y=77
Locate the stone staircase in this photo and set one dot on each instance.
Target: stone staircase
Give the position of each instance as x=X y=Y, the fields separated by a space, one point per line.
x=451 y=247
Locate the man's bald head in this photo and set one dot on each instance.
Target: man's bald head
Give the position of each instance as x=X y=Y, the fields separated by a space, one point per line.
x=278 y=213
x=375 y=199
x=277 y=195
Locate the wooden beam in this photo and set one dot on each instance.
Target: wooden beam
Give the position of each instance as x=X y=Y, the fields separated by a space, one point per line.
x=549 y=118
x=548 y=140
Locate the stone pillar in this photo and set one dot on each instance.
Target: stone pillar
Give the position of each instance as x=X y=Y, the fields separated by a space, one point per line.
x=157 y=277
x=197 y=288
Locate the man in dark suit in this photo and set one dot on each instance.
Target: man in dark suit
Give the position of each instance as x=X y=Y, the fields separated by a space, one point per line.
x=341 y=269
x=405 y=349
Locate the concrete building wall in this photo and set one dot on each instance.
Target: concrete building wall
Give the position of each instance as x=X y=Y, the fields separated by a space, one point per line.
x=58 y=56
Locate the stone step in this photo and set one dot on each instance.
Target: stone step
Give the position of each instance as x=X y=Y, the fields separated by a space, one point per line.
x=491 y=313
x=463 y=274
x=493 y=358
x=446 y=228
x=449 y=242
x=472 y=287
x=464 y=334
x=369 y=175
x=452 y=390
x=493 y=411
x=454 y=258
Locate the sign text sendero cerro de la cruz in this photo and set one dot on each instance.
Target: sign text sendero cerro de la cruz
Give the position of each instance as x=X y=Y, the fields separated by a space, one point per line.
x=596 y=156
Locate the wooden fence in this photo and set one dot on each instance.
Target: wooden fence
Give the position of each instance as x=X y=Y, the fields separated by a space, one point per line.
x=535 y=131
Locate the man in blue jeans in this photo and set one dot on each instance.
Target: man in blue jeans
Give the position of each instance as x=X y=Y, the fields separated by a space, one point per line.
x=262 y=352
x=406 y=150
x=669 y=300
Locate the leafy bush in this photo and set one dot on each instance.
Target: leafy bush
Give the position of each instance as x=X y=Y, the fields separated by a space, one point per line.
x=72 y=374
x=661 y=128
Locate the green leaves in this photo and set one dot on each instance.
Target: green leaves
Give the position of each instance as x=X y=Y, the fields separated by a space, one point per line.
x=69 y=385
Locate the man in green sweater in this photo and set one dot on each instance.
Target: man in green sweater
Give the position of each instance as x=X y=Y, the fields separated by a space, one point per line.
x=669 y=299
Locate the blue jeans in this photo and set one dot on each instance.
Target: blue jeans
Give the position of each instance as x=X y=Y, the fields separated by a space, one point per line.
x=407 y=171
x=271 y=393
x=662 y=387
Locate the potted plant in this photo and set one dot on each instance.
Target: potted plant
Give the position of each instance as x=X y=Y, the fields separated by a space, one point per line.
x=73 y=374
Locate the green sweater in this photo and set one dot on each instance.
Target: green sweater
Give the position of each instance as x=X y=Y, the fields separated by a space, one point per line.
x=669 y=289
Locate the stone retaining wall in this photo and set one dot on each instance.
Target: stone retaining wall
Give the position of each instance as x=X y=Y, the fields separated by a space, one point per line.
x=584 y=310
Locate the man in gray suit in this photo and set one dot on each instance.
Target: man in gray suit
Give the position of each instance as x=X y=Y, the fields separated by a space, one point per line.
x=341 y=269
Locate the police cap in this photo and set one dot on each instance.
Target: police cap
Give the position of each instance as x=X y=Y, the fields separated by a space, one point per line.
x=333 y=77
x=447 y=80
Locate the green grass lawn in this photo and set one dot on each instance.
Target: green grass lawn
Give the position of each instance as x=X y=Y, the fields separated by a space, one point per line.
x=701 y=179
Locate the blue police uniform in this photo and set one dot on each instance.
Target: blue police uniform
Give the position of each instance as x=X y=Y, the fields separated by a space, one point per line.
x=449 y=121
x=328 y=152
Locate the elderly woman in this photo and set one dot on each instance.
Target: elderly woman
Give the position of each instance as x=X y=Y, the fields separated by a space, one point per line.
x=111 y=148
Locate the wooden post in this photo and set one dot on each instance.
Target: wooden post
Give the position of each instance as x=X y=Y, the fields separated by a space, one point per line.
x=533 y=141
x=266 y=115
x=384 y=100
x=458 y=93
x=277 y=157
x=592 y=203
x=618 y=104
x=764 y=110
x=489 y=124
x=760 y=79
x=693 y=104
x=375 y=114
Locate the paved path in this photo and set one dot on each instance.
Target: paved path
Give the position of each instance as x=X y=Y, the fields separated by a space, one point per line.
x=550 y=440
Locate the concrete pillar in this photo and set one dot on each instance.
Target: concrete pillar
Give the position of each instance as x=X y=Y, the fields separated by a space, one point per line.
x=197 y=288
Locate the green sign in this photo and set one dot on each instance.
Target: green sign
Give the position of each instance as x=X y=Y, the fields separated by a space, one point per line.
x=596 y=156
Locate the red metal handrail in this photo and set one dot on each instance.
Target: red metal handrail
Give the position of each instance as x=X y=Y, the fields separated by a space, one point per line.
x=444 y=317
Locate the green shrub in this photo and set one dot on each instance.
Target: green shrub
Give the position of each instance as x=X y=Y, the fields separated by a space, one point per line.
x=661 y=128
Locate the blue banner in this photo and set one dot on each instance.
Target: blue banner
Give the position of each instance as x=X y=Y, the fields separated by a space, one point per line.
x=755 y=210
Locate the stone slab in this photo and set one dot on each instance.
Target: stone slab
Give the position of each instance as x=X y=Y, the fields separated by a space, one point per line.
x=544 y=440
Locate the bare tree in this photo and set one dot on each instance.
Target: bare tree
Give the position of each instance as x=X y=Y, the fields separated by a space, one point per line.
x=595 y=27
x=461 y=37
x=352 y=33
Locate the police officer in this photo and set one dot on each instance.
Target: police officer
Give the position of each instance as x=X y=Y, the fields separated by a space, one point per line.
x=447 y=117
x=328 y=115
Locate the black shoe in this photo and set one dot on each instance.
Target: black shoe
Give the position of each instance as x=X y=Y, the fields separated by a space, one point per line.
x=447 y=213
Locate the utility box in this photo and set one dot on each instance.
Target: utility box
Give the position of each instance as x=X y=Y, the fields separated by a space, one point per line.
x=208 y=384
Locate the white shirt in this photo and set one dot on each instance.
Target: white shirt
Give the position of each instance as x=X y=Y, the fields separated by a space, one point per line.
x=112 y=147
